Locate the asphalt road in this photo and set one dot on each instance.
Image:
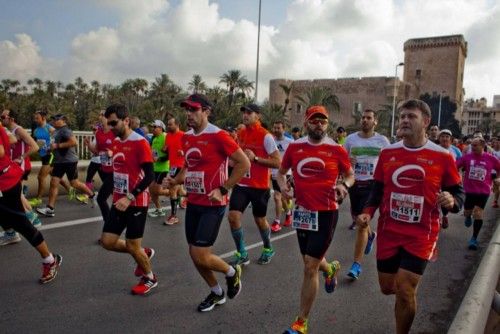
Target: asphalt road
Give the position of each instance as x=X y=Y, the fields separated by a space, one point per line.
x=92 y=291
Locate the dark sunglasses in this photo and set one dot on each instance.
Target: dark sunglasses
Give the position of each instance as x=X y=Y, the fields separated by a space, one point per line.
x=193 y=109
x=113 y=122
x=4 y=116
x=318 y=121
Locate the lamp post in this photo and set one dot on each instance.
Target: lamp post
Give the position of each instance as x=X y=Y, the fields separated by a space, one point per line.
x=439 y=109
x=258 y=51
x=394 y=99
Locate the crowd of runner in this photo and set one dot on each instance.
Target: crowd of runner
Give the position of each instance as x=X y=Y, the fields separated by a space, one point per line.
x=413 y=183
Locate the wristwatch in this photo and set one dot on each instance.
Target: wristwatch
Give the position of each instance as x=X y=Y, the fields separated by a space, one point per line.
x=130 y=197
x=256 y=159
x=223 y=190
x=345 y=185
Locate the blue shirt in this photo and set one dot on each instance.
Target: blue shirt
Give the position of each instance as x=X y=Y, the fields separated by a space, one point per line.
x=43 y=133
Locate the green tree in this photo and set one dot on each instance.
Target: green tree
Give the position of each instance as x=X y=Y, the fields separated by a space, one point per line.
x=197 y=85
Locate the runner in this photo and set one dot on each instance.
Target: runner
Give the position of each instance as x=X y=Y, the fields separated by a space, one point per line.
x=132 y=174
x=12 y=211
x=413 y=178
x=280 y=204
x=317 y=162
x=173 y=146
x=444 y=139
x=43 y=136
x=363 y=148
x=434 y=134
x=65 y=162
x=477 y=167
x=160 y=166
x=260 y=148
x=496 y=185
x=207 y=149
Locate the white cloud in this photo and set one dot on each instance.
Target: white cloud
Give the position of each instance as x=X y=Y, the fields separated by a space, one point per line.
x=319 y=39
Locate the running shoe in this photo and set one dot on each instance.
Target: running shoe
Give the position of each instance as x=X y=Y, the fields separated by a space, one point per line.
x=468 y=221
x=495 y=204
x=49 y=270
x=266 y=256
x=288 y=220
x=355 y=271
x=331 y=276
x=46 y=211
x=82 y=198
x=33 y=218
x=150 y=252
x=473 y=244
x=444 y=222
x=183 y=203
x=145 y=286
x=275 y=226
x=239 y=259
x=211 y=301
x=155 y=213
x=352 y=227
x=172 y=220
x=9 y=238
x=35 y=201
x=234 y=283
x=71 y=194
x=299 y=326
x=369 y=242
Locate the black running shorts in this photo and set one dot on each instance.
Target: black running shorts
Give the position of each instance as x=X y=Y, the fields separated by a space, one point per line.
x=202 y=224
x=472 y=200
x=358 y=195
x=68 y=168
x=404 y=260
x=242 y=196
x=133 y=220
x=316 y=243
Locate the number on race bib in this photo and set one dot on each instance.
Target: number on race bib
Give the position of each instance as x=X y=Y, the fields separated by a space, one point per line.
x=477 y=173
x=120 y=181
x=406 y=208
x=304 y=219
x=195 y=182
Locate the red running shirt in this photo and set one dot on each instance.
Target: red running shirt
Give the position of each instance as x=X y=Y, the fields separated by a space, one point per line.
x=18 y=149
x=174 y=144
x=409 y=213
x=206 y=156
x=10 y=172
x=103 y=141
x=128 y=156
x=315 y=169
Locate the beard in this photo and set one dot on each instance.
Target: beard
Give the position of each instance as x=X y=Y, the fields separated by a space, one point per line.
x=316 y=134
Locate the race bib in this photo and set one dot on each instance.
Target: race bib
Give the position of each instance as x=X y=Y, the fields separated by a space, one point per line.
x=364 y=168
x=406 y=208
x=105 y=159
x=120 y=181
x=477 y=173
x=304 y=219
x=155 y=154
x=195 y=182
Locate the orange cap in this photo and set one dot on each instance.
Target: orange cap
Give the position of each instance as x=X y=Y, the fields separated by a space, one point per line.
x=315 y=110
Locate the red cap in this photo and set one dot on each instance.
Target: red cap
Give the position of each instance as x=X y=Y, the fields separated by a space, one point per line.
x=316 y=110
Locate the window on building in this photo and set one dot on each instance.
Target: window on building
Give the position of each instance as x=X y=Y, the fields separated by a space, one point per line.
x=418 y=74
x=357 y=107
x=299 y=108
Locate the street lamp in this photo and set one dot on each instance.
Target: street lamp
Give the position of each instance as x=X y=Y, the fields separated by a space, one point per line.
x=258 y=49
x=439 y=110
x=394 y=98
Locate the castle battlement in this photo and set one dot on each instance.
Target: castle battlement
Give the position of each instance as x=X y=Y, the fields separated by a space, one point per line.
x=435 y=42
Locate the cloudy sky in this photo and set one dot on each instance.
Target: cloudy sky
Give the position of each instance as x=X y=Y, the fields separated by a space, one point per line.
x=112 y=40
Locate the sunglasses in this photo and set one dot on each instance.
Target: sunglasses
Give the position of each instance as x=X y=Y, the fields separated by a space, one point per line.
x=113 y=122
x=4 y=117
x=193 y=109
x=318 y=121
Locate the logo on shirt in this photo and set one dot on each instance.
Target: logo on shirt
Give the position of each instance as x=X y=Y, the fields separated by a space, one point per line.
x=310 y=167
x=193 y=156
x=408 y=176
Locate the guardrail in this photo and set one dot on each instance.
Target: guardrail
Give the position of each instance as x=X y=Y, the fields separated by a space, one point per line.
x=472 y=316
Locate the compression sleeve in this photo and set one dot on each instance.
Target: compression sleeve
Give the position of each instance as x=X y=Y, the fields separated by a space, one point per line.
x=147 y=167
x=458 y=193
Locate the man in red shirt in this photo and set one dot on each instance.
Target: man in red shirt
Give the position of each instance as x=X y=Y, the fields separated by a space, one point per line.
x=317 y=162
x=413 y=179
x=173 y=146
x=132 y=174
x=207 y=150
x=260 y=147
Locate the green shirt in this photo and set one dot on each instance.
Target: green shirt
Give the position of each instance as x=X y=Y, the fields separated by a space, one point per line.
x=157 y=145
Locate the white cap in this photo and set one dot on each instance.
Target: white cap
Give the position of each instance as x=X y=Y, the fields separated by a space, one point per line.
x=159 y=124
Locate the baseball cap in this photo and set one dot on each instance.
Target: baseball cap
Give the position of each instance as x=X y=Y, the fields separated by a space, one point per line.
x=57 y=117
x=158 y=123
x=196 y=101
x=252 y=107
x=315 y=110
x=445 y=132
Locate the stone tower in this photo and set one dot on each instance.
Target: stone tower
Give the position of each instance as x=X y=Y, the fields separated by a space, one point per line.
x=436 y=64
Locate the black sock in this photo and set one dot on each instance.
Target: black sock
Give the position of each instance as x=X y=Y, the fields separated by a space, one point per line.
x=173 y=205
x=478 y=223
x=50 y=207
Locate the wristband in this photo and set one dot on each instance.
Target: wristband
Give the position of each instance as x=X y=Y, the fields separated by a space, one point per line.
x=223 y=190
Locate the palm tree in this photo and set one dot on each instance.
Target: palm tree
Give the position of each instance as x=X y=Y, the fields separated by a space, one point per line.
x=287 y=90
x=271 y=113
x=235 y=82
x=319 y=96
x=197 y=85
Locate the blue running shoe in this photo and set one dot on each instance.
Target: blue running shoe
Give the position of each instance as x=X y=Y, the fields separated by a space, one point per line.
x=369 y=243
x=473 y=244
x=468 y=221
x=355 y=271
x=331 y=276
